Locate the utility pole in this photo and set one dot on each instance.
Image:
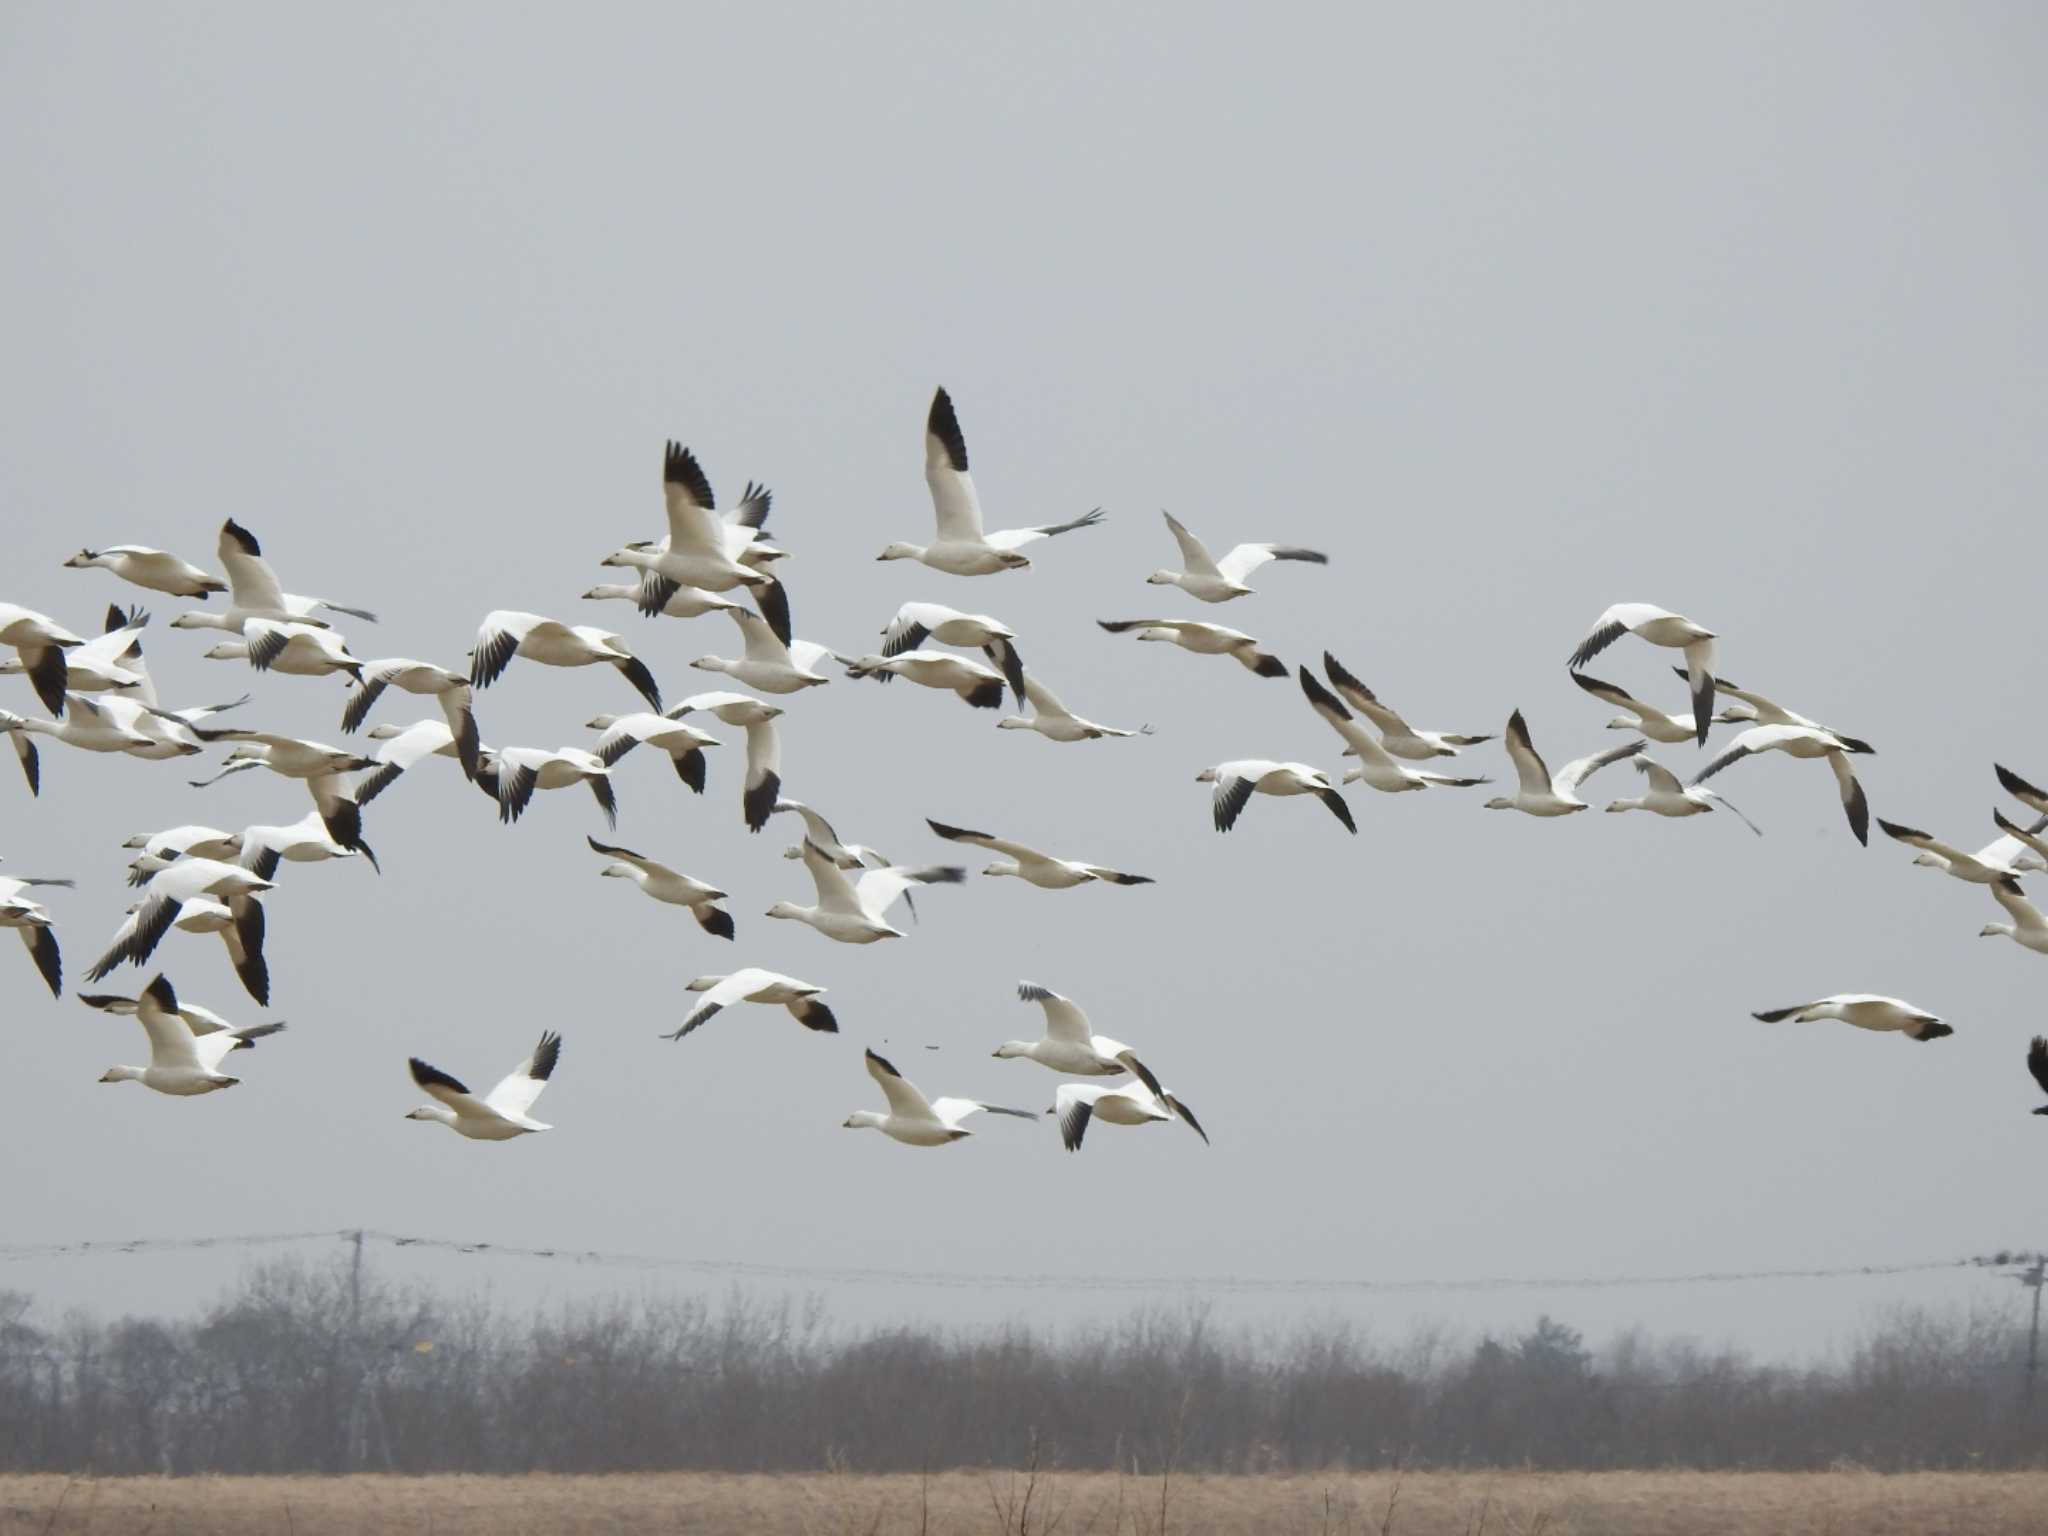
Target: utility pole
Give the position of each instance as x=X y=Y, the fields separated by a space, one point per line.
x=2033 y=1279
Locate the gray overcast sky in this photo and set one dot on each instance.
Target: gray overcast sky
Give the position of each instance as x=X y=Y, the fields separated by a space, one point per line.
x=1516 y=312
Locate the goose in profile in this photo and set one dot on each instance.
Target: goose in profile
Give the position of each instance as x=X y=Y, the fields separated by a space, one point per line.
x=851 y=912
x=1238 y=781
x=2008 y=849
x=298 y=650
x=1659 y=626
x=2037 y=1066
x=754 y=985
x=184 y=1059
x=305 y=841
x=31 y=920
x=40 y=642
x=768 y=663
x=1053 y=720
x=962 y=548
x=105 y=662
x=681 y=603
x=1755 y=707
x=1538 y=792
x=510 y=775
x=1202 y=640
x=915 y=1120
x=1033 y=867
x=701 y=551
x=1647 y=719
x=1218 y=581
x=254 y=593
x=1866 y=1010
x=175 y=842
x=1665 y=796
x=142 y=566
x=980 y=687
x=762 y=786
x=317 y=764
x=684 y=744
x=731 y=708
x=1397 y=736
x=2028 y=928
x=1070 y=1044
x=818 y=831
x=2033 y=799
x=89 y=724
x=916 y=623
x=451 y=690
x=401 y=747
x=1375 y=768
x=501 y=1114
x=1801 y=741
x=188 y=882
x=665 y=884
x=201 y=1021
x=1139 y=1103
x=1998 y=860
x=506 y=633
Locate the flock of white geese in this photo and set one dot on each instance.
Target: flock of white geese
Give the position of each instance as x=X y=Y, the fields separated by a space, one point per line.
x=99 y=697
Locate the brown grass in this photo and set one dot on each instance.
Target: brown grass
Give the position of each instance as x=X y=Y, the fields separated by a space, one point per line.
x=1049 y=1503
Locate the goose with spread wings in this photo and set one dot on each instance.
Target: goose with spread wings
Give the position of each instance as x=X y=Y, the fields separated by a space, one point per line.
x=1659 y=626
x=2035 y=800
x=1647 y=719
x=1236 y=783
x=501 y=1114
x=1218 y=581
x=40 y=642
x=962 y=548
x=1033 y=867
x=1375 y=768
x=202 y=883
x=186 y=1045
x=916 y=623
x=853 y=912
x=318 y=765
x=1805 y=742
x=762 y=786
x=1753 y=706
x=915 y=1120
x=702 y=551
x=1202 y=640
x=142 y=566
x=297 y=649
x=665 y=884
x=506 y=633
x=1397 y=736
x=254 y=592
x=755 y=985
x=1865 y=1010
x=105 y=662
x=768 y=662
x=1054 y=721
x=1539 y=792
x=200 y=1020
x=1070 y=1044
x=1998 y=860
x=979 y=686
x=89 y=724
x=451 y=690
x=31 y=920
x=681 y=603
x=682 y=744
x=1664 y=795
x=510 y=775
x=1144 y=1102
x=2028 y=928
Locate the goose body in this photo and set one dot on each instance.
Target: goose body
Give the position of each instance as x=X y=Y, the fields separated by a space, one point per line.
x=30 y=919
x=510 y=775
x=142 y=566
x=1538 y=792
x=300 y=650
x=206 y=884
x=1647 y=719
x=1218 y=581
x=184 y=1058
x=1802 y=742
x=767 y=663
x=106 y=662
x=1236 y=782
x=754 y=985
x=1202 y=640
x=851 y=912
x=1659 y=626
x=1998 y=860
x=979 y=686
x=1375 y=768
x=1139 y=1103
x=1053 y=720
x=305 y=841
x=1397 y=736
x=500 y=1115
x=665 y=884
x=819 y=833
x=700 y=550
x=1033 y=867
x=254 y=593
x=1070 y=1045
x=1664 y=795
x=2028 y=928
x=39 y=643
x=318 y=765
x=451 y=690
x=1753 y=706
x=667 y=600
x=1865 y=1010
x=683 y=744
x=915 y=1120
x=401 y=747
x=916 y=623
x=90 y=725
x=506 y=633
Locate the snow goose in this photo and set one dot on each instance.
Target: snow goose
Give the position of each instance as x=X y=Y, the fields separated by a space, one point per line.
x=979 y=686
x=1052 y=719
x=103 y=662
x=1238 y=781
x=1998 y=860
x=451 y=690
x=916 y=623
x=763 y=783
x=1801 y=741
x=1660 y=626
x=403 y=746
x=152 y=568
x=681 y=602
x=1070 y=1044
x=317 y=764
x=2007 y=849
x=506 y=633
x=31 y=920
x=818 y=831
x=175 y=842
x=1375 y=769
x=700 y=550
x=305 y=841
x=1397 y=736
x=732 y=708
x=915 y=1120
x=853 y=913
x=665 y=884
x=2028 y=928
x=1539 y=794
x=1203 y=640
x=1033 y=867
x=183 y=1060
x=2037 y=1066
x=164 y=898
x=1866 y=1010
x=1646 y=719
x=754 y=985
x=40 y=642
x=89 y=725
x=499 y=1115
x=1753 y=706
x=1667 y=797
x=510 y=775
x=767 y=663
x=2033 y=799
x=1218 y=581
x=159 y=997
x=684 y=744
x=963 y=549
x=296 y=650
x=1139 y=1103
x=254 y=593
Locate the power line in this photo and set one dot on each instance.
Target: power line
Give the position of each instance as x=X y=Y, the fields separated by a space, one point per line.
x=736 y=1269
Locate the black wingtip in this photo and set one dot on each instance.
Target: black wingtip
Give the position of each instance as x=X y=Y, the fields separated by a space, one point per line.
x=1270 y=666
x=545 y=1055
x=636 y=673
x=679 y=467
x=715 y=921
x=943 y=424
x=758 y=804
x=690 y=769
x=883 y=1062
x=817 y=1016
x=433 y=1077
x=242 y=536
x=986 y=695
x=772 y=597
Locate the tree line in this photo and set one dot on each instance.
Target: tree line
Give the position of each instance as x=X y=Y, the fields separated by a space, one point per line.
x=305 y=1369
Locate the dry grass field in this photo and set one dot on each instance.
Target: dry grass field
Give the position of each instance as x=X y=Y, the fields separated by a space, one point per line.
x=1850 y=1503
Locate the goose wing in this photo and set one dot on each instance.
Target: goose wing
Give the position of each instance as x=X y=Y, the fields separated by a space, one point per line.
x=1854 y=805
x=1530 y=769
x=451 y=1091
x=2024 y=913
x=1916 y=839
x=905 y=1102
x=1246 y=558
x=1043 y=699
x=251 y=582
x=515 y=1095
x=171 y=1042
x=1662 y=779
x=879 y=888
x=638 y=861
x=1355 y=735
x=414 y=744
x=761 y=644
x=693 y=525
x=1235 y=784
x=1620 y=698
x=1611 y=626
x=945 y=472
x=1580 y=769
x=1074 y=1105
x=1064 y=1021
x=1194 y=554
x=1017 y=538
x=2037 y=1061
x=836 y=893
x=763 y=785
x=953 y=1111
x=984 y=840
x=1362 y=699
x=497 y=641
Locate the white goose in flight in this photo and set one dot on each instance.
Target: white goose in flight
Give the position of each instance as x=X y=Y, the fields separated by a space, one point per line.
x=1647 y=719
x=305 y=841
x=40 y=642
x=510 y=775
x=1033 y=867
x=1998 y=860
x=1665 y=796
x=683 y=744
x=1865 y=1010
x=851 y=912
x=169 y=892
x=915 y=1120
x=767 y=663
x=818 y=831
x=403 y=746
x=962 y=548
x=1218 y=581
x=31 y=920
x=2015 y=839
x=254 y=593
x=665 y=884
x=142 y=566
x=105 y=662
x=506 y=633
x=296 y=649
x=1139 y=1103
x=175 y=842
x=1660 y=626
x=501 y=1114
x=1053 y=720
x=1375 y=768
x=89 y=724
x=317 y=764
x=1237 y=782
x=702 y=551
x=681 y=602
x=1070 y=1044
x=1397 y=736
x=1203 y=640
x=762 y=786
x=916 y=623
x=2028 y=928
x=1541 y=794
x=754 y=985
x=184 y=1059
x=1755 y=707
x=2033 y=799
x=979 y=686
x=451 y=690
x=1801 y=741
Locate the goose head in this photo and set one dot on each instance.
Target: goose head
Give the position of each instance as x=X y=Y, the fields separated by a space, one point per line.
x=1159 y=579
x=900 y=552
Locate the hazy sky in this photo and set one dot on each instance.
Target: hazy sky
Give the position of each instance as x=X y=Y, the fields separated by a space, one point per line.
x=1517 y=312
